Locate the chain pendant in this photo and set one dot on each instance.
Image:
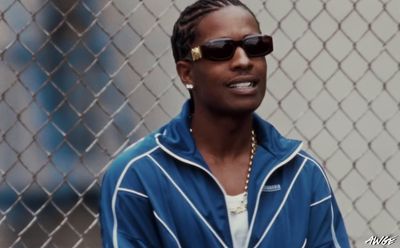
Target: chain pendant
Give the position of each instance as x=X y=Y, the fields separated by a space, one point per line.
x=238 y=210
x=241 y=208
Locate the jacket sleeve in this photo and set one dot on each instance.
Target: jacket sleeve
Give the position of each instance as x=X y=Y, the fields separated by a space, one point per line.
x=326 y=228
x=126 y=215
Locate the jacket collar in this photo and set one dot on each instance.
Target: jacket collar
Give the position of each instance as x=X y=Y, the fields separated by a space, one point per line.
x=176 y=139
x=272 y=141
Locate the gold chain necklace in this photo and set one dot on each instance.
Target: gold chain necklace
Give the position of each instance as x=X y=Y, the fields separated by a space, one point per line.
x=243 y=203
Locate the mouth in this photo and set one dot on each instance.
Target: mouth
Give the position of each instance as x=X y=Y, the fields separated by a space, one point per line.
x=242 y=85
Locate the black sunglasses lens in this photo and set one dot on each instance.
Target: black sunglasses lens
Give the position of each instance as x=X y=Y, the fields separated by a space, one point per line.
x=224 y=49
x=258 y=46
x=218 y=50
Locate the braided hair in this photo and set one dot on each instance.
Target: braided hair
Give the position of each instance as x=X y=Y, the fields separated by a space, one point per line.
x=184 y=32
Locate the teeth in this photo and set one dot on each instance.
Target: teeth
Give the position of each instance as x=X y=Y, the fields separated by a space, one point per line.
x=242 y=85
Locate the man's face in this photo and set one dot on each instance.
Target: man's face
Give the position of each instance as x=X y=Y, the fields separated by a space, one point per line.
x=233 y=86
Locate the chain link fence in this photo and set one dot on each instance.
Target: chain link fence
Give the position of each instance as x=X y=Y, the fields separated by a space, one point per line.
x=82 y=79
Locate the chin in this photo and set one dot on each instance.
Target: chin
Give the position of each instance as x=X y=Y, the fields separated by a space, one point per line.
x=244 y=107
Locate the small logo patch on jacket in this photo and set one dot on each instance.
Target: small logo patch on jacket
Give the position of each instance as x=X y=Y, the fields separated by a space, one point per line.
x=272 y=188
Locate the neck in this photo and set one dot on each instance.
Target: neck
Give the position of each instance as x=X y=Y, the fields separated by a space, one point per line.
x=222 y=136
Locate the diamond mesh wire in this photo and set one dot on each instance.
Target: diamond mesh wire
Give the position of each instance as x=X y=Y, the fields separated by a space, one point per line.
x=80 y=80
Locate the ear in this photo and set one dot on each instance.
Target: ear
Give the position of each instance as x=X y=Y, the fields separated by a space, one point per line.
x=184 y=69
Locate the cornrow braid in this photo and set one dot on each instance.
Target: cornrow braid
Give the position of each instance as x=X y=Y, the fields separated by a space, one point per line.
x=184 y=32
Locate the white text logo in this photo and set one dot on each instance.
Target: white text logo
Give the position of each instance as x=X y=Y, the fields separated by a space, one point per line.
x=384 y=240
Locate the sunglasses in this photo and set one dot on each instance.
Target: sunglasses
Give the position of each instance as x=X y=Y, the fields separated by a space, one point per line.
x=224 y=49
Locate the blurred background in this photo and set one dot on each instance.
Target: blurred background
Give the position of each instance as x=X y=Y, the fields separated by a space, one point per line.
x=82 y=79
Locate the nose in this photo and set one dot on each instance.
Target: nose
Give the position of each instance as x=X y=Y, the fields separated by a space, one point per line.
x=240 y=60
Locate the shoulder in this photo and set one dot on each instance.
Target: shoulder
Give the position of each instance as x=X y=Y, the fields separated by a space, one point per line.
x=315 y=175
x=130 y=160
x=311 y=165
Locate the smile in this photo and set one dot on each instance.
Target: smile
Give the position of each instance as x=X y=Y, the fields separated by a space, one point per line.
x=242 y=85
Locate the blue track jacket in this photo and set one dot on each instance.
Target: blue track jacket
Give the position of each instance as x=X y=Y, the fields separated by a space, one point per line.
x=160 y=193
